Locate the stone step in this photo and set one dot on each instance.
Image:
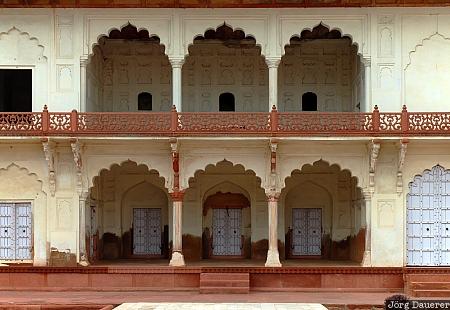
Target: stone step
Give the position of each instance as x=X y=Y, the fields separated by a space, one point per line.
x=224 y=290
x=224 y=283
x=430 y=285
x=225 y=276
x=431 y=293
x=441 y=277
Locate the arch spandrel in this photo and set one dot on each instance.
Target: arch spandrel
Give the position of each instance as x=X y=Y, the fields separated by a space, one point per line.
x=98 y=26
x=256 y=28
x=356 y=166
x=194 y=165
x=96 y=164
x=354 y=27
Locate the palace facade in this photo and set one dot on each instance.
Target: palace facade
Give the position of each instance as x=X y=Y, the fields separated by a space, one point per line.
x=272 y=135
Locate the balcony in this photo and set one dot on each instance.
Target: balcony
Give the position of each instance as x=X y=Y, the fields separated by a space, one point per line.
x=274 y=123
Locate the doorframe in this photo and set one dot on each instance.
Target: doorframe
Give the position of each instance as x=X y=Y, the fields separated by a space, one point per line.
x=212 y=256
x=161 y=226
x=290 y=252
x=26 y=261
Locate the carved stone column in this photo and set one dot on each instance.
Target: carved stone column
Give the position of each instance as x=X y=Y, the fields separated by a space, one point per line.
x=177 y=214
x=367 y=258
x=82 y=227
x=367 y=85
x=273 y=256
x=84 y=60
x=177 y=64
x=272 y=63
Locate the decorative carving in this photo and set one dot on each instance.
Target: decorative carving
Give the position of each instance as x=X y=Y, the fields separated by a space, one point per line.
x=401 y=161
x=206 y=74
x=64 y=39
x=64 y=213
x=144 y=73
x=247 y=75
x=166 y=72
x=76 y=150
x=175 y=165
x=373 y=157
x=386 y=80
x=386 y=48
x=123 y=72
x=49 y=153
x=386 y=215
x=65 y=77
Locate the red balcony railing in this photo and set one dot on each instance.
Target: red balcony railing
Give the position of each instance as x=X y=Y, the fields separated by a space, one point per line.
x=273 y=123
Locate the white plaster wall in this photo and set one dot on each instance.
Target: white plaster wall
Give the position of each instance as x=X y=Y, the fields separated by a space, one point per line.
x=213 y=68
x=327 y=68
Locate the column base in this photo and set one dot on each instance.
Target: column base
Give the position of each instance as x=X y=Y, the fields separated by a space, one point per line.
x=273 y=259
x=366 y=262
x=177 y=260
x=84 y=263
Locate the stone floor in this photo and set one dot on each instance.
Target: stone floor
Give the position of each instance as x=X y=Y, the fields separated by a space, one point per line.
x=220 y=306
x=117 y=298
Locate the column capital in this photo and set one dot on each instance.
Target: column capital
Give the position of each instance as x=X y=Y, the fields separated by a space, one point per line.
x=177 y=196
x=273 y=62
x=176 y=61
x=84 y=60
x=366 y=61
x=272 y=196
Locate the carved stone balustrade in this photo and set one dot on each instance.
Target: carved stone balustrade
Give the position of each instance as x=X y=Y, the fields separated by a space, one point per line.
x=274 y=123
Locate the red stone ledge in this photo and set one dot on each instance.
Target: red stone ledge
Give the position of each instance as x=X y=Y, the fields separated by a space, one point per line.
x=197 y=270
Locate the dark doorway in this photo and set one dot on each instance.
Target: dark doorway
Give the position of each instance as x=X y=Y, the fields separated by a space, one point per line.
x=145 y=102
x=15 y=90
x=309 y=102
x=226 y=102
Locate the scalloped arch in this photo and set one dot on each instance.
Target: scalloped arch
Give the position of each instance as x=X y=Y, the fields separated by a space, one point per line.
x=424 y=172
x=20 y=172
x=25 y=48
x=122 y=165
x=127 y=31
x=223 y=163
x=420 y=45
x=335 y=168
x=332 y=30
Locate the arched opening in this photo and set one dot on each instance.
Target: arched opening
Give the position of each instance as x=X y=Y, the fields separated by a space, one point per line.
x=125 y=64
x=227 y=198
x=145 y=102
x=220 y=60
x=323 y=214
x=129 y=214
x=309 y=102
x=428 y=218
x=226 y=102
x=323 y=62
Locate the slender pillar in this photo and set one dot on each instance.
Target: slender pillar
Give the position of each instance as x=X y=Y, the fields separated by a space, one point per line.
x=177 y=64
x=177 y=215
x=273 y=257
x=272 y=64
x=82 y=229
x=367 y=86
x=83 y=93
x=367 y=260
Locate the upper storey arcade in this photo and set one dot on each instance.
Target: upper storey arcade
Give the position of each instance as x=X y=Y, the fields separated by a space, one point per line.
x=344 y=60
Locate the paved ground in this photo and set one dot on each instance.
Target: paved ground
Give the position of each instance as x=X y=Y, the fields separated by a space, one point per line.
x=223 y=306
x=116 y=298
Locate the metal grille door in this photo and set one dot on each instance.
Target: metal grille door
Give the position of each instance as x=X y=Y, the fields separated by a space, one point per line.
x=227 y=231
x=15 y=231
x=306 y=231
x=146 y=231
x=428 y=219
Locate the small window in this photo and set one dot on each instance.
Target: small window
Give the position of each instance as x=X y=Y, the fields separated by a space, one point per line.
x=145 y=102
x=309 y=102
x=15 y=90
x=226 y=102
